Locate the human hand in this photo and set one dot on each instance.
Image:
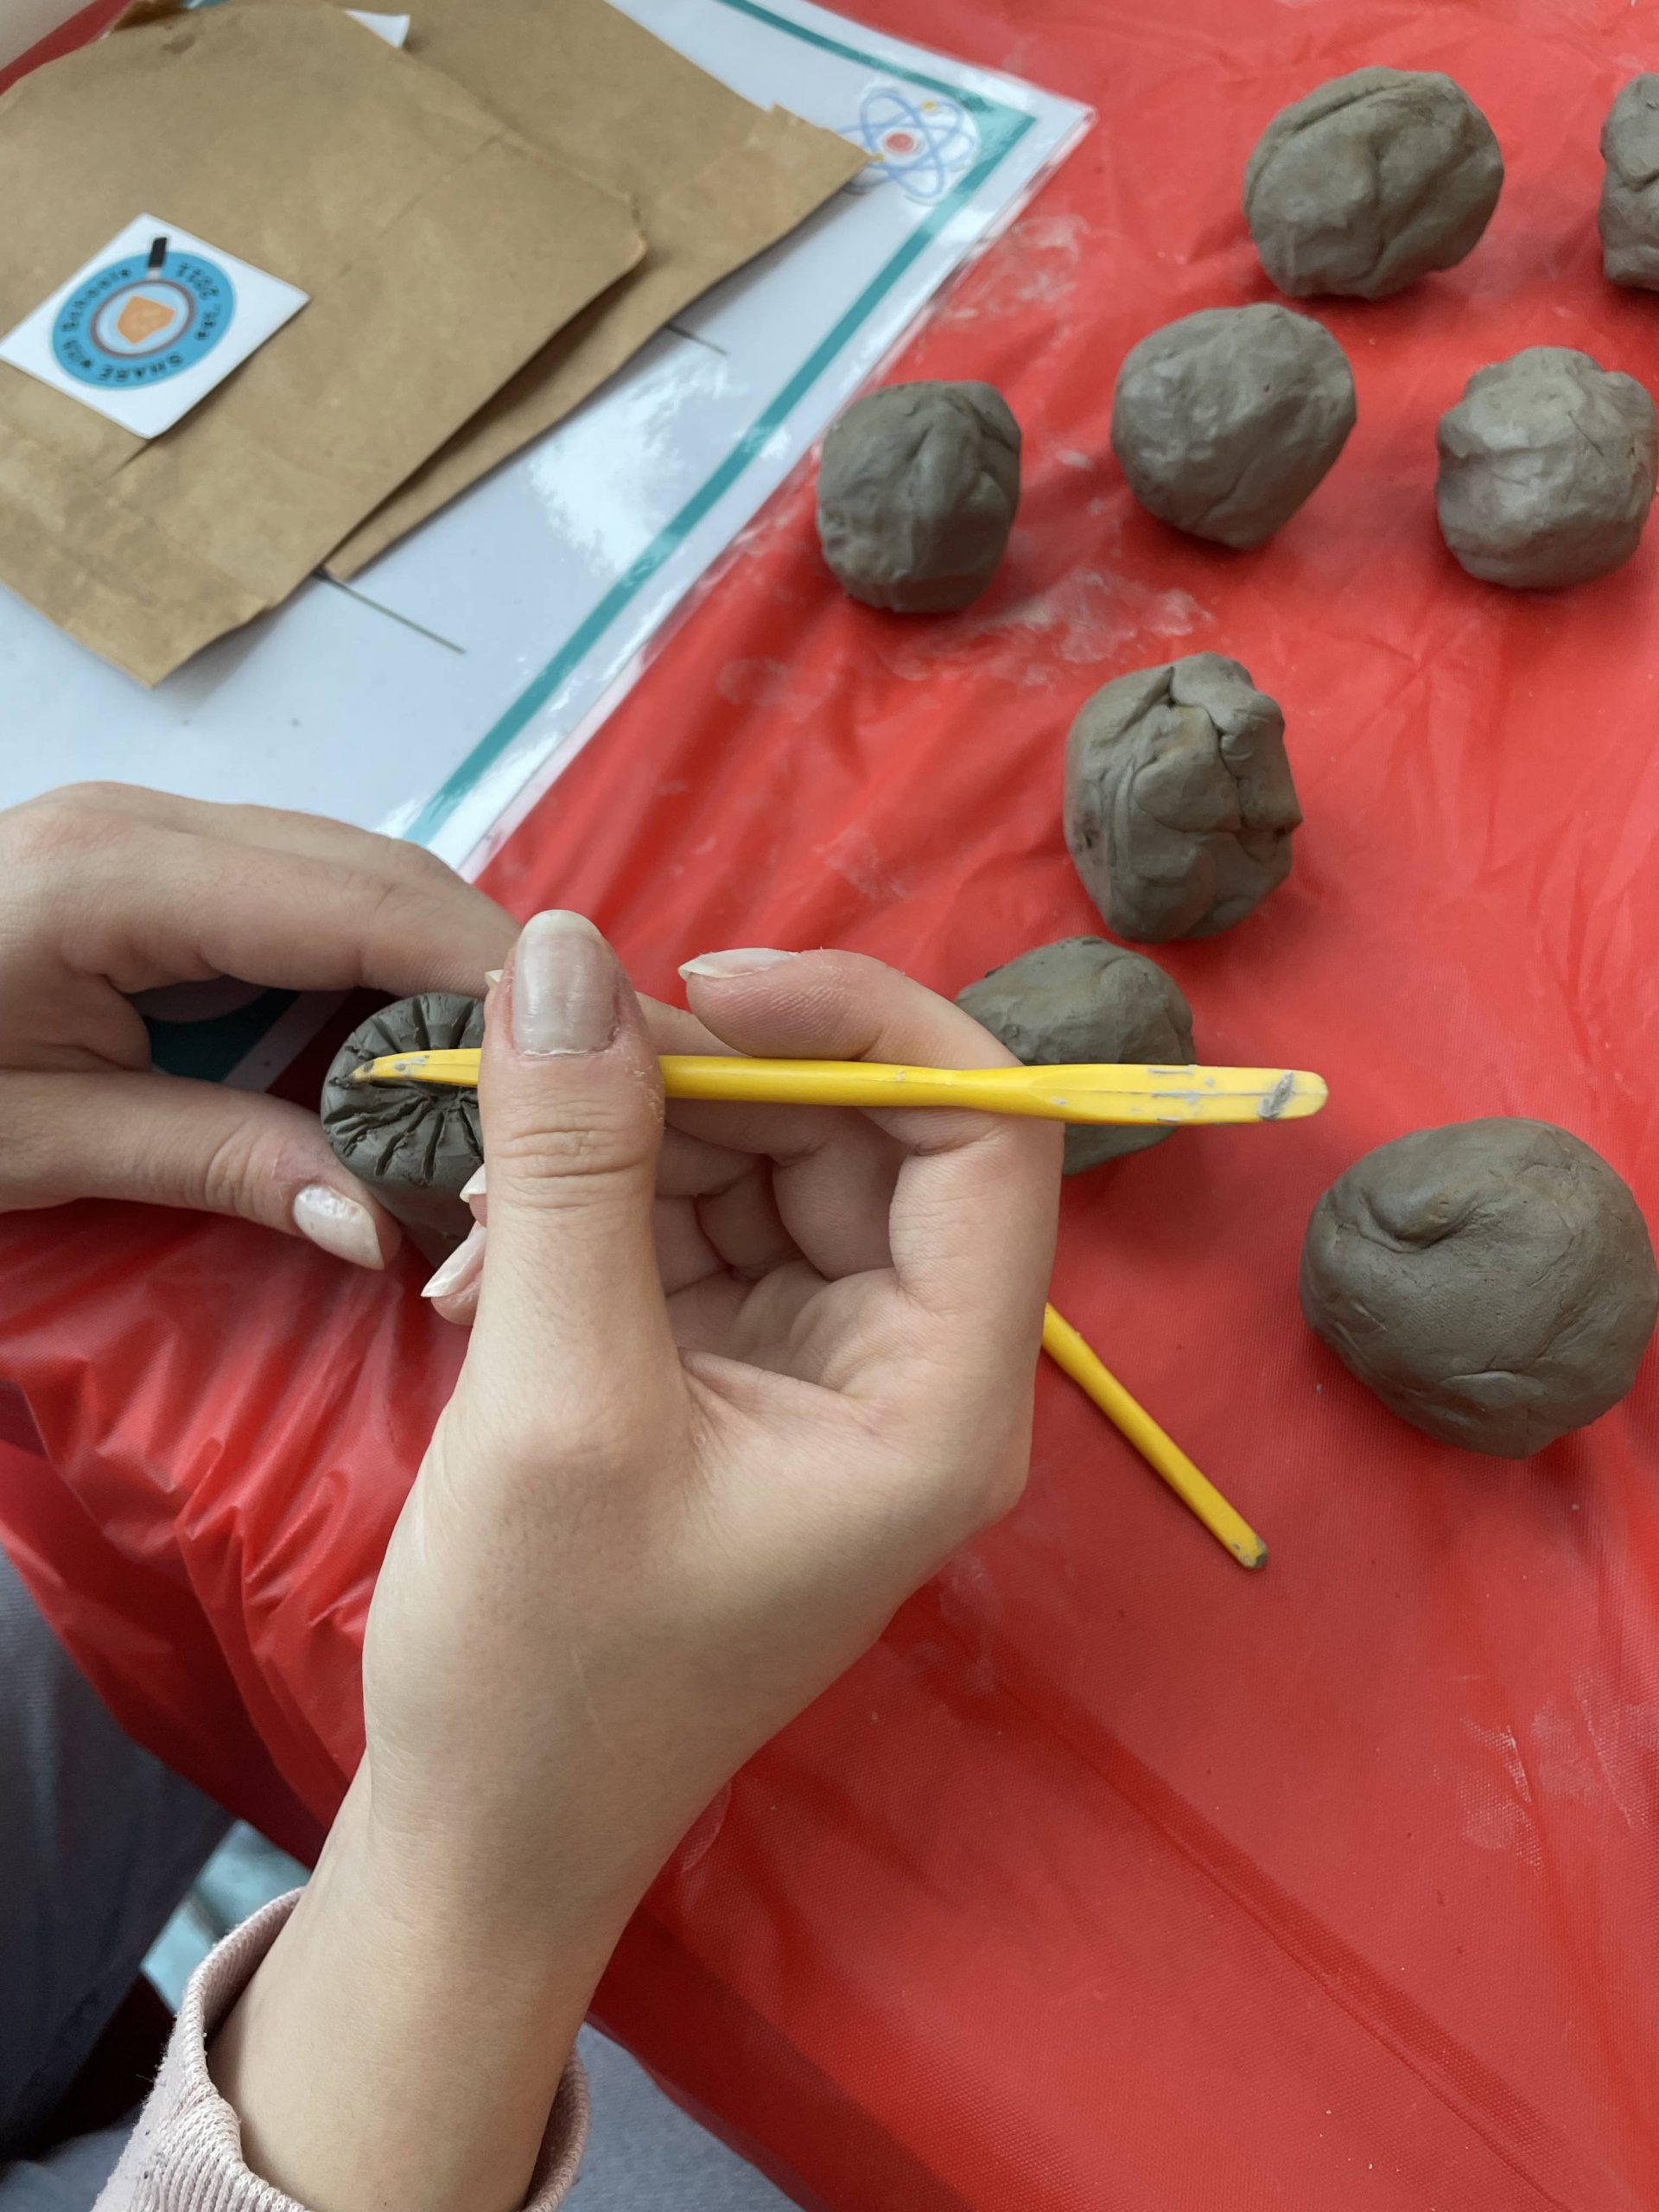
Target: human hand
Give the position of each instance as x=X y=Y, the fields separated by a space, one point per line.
x=718 y=1418
x=106 y=890
x=702 y=1447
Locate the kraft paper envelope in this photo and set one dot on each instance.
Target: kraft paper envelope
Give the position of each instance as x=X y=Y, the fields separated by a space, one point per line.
x=715 y=180
x=439 y=251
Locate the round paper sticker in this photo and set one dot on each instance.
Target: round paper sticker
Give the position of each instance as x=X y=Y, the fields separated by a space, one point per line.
x=143 y=319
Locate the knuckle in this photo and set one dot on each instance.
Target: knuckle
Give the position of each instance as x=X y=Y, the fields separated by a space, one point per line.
x=33 y=1124
x=415 y=906
x=609 y=1144
x=389 y=909
x=97 y=794
x=417 y=868
x=64 y=827
x=589 y=1449
x=586 y=1445
x=226 y=1175
x=411 y=871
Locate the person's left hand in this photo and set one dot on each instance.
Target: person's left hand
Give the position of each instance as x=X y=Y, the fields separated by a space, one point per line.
x=105 y=891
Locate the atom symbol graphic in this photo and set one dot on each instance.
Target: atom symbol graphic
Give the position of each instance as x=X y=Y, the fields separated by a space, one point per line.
x=922 y=146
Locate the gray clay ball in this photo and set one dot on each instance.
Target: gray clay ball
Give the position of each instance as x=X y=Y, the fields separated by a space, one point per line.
x=414 y=1145
x=1178 y=799
x=1369 y=182
x=1547 y=469
x=1225 y=421
x=1629 y=215
x=1492 y=1282
x=1083 y=1000
x=917 y=492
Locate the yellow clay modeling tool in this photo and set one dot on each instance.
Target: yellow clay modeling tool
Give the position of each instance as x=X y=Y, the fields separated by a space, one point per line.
x=1170 y=1097
x=1166 y=1458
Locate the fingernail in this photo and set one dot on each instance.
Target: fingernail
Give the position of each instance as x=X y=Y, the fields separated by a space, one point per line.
x=743 y=960
x=492 y=977
x=473 y=1187
x=458 y=1270
x=337 y=1224
x=563 y=986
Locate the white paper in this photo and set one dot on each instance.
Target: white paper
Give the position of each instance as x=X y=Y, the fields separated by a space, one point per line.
x=150 y=325
x=393 y=28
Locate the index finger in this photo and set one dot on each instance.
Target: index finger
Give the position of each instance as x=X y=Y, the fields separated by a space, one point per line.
x=274 y=828
x=975 y=1207
x=142 y=901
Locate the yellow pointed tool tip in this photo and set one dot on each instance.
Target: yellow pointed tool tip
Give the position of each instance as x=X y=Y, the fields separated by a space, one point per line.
x=398 y=1067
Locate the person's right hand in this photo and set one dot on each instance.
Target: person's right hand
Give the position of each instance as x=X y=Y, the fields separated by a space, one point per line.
x=702 y=1444
x=698 y=1454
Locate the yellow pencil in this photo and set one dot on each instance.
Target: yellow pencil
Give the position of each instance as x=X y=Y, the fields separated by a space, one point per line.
x=1171 y=1098
x=1069 y=1352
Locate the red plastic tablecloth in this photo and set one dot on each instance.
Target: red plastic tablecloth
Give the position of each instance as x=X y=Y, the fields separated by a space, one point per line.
x=1113 y=1877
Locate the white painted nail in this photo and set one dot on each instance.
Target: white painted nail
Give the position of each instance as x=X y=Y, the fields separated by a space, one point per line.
x=473 y=1187
x=337 y=1224
x=492 y=977
x=742 y=960
x=462 y=1265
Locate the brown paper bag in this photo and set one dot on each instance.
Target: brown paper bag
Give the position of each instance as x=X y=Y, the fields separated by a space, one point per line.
x=440 y=251
x=715 y=180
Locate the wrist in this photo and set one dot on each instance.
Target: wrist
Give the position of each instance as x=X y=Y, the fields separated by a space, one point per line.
x=485 y=1879
x=405 y=2037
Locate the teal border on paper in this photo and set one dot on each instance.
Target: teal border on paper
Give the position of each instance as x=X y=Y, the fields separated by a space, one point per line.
x=1000 y=129
x=828 y=45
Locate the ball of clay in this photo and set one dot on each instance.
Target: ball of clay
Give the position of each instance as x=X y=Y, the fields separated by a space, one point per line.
x=413 y=1144
x=1085 y=999
x=1547 y=469
x=917 y=491
x=1369 y=182
x=1629 y=215
x=1179 y=800
x=1225 y=421
x=1492 y=1282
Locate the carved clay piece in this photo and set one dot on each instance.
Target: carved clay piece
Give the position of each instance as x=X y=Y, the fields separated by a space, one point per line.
x=413 y=1144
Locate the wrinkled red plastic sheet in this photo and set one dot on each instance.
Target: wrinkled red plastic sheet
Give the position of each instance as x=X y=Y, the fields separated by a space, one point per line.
x=1114 y=1877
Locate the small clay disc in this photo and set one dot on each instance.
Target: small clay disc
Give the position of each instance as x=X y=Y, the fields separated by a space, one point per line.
x=415 y=1145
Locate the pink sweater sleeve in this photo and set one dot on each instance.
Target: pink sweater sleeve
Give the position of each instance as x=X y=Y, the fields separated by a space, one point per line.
x=186 y=2152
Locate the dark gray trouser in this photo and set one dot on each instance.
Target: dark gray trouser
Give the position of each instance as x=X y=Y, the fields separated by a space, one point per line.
x=98 y=1844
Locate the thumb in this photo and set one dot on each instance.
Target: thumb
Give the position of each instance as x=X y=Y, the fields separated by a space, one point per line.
x=571 y=1100
x=166 y=1141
